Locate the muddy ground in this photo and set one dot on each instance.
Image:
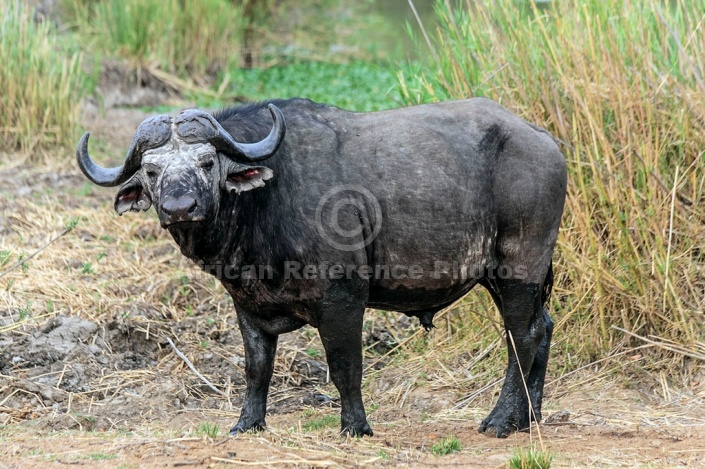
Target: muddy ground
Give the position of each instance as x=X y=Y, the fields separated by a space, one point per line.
x=77 y=392
x=114 y=394
x=88 y=376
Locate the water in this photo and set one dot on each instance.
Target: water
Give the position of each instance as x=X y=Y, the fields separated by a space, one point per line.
x=384 y=26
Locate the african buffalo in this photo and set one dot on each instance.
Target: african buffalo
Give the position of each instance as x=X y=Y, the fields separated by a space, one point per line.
x=308 y=214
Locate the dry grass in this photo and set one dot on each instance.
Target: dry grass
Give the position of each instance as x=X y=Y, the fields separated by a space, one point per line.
x=621 y=82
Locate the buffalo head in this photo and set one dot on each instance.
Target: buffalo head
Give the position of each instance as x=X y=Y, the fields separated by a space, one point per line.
x=182 y=165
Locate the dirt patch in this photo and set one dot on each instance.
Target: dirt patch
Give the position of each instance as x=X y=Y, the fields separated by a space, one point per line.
x=585 y=440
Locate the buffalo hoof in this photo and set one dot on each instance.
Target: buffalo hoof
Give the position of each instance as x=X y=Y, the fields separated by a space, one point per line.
x=500 y=424
x=242 y=427
x=357 y=430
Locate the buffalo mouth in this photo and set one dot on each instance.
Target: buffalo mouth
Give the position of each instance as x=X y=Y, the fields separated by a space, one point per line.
x=185 y=224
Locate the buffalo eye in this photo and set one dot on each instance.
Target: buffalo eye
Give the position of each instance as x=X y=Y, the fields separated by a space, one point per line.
x=152 y=171
x=207 y=165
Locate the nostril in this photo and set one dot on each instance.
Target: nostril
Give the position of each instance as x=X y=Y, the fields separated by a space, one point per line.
x=179 y=207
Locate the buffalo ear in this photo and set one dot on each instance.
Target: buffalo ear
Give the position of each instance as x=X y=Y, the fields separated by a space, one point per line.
x=246 y=178
x=132 y=197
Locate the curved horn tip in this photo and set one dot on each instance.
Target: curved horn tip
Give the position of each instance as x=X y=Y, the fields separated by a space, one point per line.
x=82 y=146
x=84 y=138
x=106 y=177
x=276 y=112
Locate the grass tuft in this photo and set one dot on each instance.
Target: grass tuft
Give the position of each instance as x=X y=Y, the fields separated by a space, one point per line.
x=319 y=423
x=101 y=456
x=447 y=445
x=208 y=429
x=530 y=459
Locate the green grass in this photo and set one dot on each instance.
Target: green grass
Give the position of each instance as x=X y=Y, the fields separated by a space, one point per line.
x=41 y=82
x=623 y=83
x=447 y=445
x=101 y=456
x=25 y=311
x=208 y=429
x=5 y=256
x=356 y=86
x=319 y=423
x=530 y=459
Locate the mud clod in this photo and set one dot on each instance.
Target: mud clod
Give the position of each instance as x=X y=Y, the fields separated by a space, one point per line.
x=48 y=345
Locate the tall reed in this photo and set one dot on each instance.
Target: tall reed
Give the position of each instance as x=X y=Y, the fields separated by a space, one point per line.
x=197 y=37
x=40 y=84
x=621 y=82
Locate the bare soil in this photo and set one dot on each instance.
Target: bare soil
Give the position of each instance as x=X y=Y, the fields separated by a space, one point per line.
x=88 y=377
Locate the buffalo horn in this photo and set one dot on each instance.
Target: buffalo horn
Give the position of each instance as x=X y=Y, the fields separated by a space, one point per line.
x=195 y=126
x=151 y=133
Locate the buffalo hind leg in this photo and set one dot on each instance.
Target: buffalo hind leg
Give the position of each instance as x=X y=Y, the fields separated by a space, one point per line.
x=260 y=349
x=528 y=338
x=537 y=375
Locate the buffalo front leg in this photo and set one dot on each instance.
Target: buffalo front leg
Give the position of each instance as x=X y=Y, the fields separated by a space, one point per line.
x=341 y=334
x=260 y=348
x=527 y=340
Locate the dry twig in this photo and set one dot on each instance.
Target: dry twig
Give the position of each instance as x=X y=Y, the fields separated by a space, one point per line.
x=193 y=368
x=671 y=348
x=46 y=245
